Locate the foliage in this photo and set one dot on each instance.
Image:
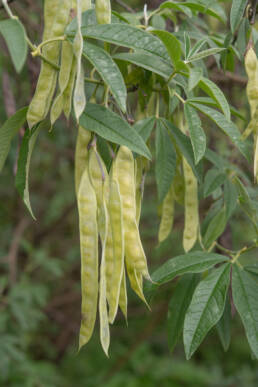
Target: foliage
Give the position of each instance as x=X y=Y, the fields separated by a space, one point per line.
x=151 y=78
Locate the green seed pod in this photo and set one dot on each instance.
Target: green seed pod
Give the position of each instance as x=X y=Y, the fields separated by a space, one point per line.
x=103 y=11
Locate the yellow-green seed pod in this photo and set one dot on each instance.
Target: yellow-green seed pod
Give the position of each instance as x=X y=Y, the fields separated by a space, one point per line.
x=103 y=313
x=138 y=186
x=167 y=215
x=87 y=205
x=123 y=296
x=63 y=81
x=251 y=65
x=135 y=279
x=256 y=161
x=46 y=85
x=81 y=154
x=124 y=173
x=103 y=11
x=191 y=208
x=68 y=92
x=116 y=221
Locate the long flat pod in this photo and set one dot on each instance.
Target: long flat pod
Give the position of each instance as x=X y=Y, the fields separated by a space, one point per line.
x=124 y=173
x=123 y=296
x=116 y=221
x=81 y=153
x=167 y=215
x=87 y=205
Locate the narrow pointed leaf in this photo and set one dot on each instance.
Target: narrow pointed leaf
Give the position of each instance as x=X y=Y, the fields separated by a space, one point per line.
x=206 y=308
x=171 y=43
x=146 y=61
x=15 y=37
x=23 y=169
x=8 y=130
x=109 y=72
x=224 y=326
x=165 y=160
x=178 y=306
x=213 y=180
x=204 y=54
x=214 y=92
x=197 y=135
x=126 y=36
x=195 y=75
x=112 y=127
x=215 y=228
x=245 y=290
x=227 y=126
x=236 y=14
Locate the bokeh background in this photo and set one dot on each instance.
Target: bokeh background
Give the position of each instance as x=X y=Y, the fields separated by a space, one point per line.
x=40 y=265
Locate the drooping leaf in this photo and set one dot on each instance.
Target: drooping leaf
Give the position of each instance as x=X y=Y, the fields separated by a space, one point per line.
x=214 y=179
x=146 y=61
x=23 y=169
x=214 y=92
x=227 y=126
x=108 y=71
x=236 y=14
x=8 y=130
x=126 y=36
x=145 y=127
x=15 y=37
x=245 y=290
x=184 y=144
x=197 y=135
x=194 y=6
x=178 y=306
x=253 y=269
x=215 y=228
x=112 y=127
x=206 y=308
x=224 y=326
x=165 y=160
x=171 y=43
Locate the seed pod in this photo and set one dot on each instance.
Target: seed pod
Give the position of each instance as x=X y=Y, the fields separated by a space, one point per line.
x=46 y=85
x=68 y=92
x=116 y=221
x=191 y=208
x=251 y=65
x=81 y=154
x=123 y=296
x=138 y=186
x=167 y=215
x=63 y=81
x=103 y=313
x=87 y=205
x=103 y=11
x=124 y=174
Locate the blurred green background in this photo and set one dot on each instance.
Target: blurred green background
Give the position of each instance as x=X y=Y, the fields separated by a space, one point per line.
x=40 y=270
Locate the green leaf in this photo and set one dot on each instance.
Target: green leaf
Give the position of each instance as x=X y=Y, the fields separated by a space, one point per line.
x=227 y=126
x=146 y=61
x=187 y=42
x=165 y=160
x=15 y=37
x=236 y=14
x=108 y=70
x=112 y=127
x=184 y=144
x=8 y=130
x=172 y=45
x=178 y=306
x=230 y=198
x=204 y=54
x=245 y=200
x=196 y=7
x=197 y=135
x=145 y=127
x=195 y=75
x=194 y=262
x=177 y=7
x=213 y=180
x=215 y=228
x=245 y=290
x=224 y=326
x=126 y=36
x=214 y=92
x=23 y=169
x=206 y=308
